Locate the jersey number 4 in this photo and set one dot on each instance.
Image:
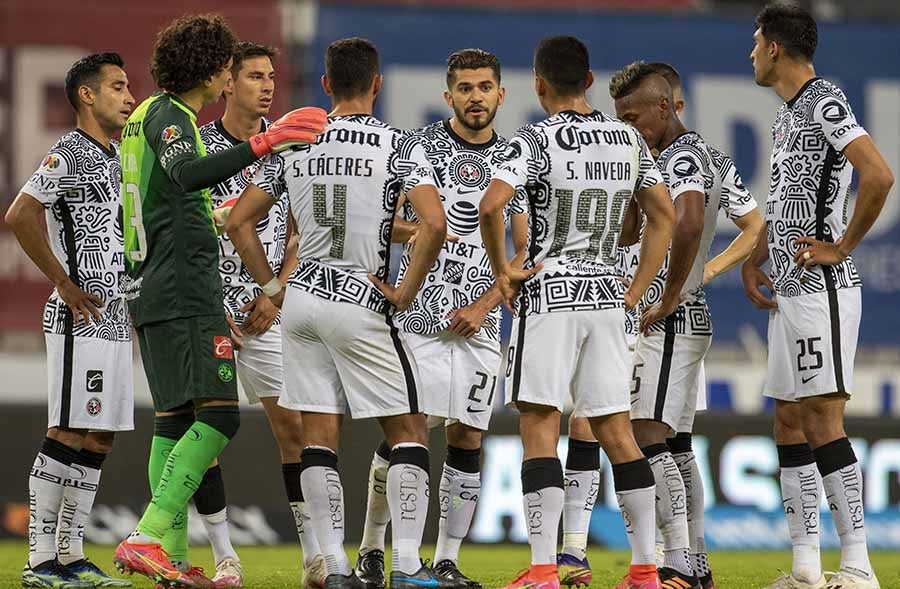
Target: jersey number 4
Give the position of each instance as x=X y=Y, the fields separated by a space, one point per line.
x=337 y=222
x=135 y=223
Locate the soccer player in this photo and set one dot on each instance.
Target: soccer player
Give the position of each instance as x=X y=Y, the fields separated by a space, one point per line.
x=453 y=325
x=582 y=473
x=581 y=169
x=675 y=325
x=341 y=348
x=86 y=325
x=171 y=256
x=815 y=305
x=255 y=322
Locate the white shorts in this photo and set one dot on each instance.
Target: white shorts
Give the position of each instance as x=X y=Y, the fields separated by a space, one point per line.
x=461 y=376
x=89 y=383
x=259 y=365
x=665 y=378
x=812 y=344
x=581 y=354
x=341 y=355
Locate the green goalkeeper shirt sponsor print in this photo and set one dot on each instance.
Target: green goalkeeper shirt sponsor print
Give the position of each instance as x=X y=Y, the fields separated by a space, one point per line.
x=171 y=249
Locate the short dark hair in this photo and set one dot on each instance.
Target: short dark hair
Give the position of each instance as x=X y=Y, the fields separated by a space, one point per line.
x=471 y=59
x=667 y=71
x=190 y=50
x=247 y=50
x=563 y=61
x=351 y=65
x=86 y=72
x=791 y=27
x=629 y=78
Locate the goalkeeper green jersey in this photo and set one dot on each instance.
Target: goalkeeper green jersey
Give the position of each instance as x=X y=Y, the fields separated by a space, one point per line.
x=171 y=248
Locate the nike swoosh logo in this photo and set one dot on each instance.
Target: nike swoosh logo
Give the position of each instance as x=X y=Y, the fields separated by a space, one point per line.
x=470 y=410
x=468 y=191
x=806 y=380
x=420 y=582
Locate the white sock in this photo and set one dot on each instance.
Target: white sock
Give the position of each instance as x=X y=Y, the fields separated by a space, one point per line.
x=800 y=498
x=77 y=501
x=407 y=495
x=636 y=494
x=660 y=547
x=458 y=496
x=542 y=497
x=671 y=512
x=45 y=493
x=844 y=491
x=378 y=512
x=324 y=495
x=581 y=488
x=693 y=489
x=216 y=525
x=308 y=543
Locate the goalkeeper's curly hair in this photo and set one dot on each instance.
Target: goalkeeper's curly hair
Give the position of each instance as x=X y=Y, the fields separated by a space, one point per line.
x=190 y=50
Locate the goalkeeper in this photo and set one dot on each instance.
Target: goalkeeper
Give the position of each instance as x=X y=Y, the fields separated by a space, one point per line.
x=173 y=290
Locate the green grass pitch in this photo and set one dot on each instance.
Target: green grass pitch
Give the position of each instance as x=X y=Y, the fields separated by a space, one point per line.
x=278 y=566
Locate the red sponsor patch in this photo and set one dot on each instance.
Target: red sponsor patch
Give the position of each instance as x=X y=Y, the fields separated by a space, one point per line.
x=222 y=347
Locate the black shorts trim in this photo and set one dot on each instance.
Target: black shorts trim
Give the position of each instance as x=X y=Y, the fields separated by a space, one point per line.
x=837 y=360
x=665 y=368
x=68 y=318
x=517 y=358
x=411 y=391
x=834 y=314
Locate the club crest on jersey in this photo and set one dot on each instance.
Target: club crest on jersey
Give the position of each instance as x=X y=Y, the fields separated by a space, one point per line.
x=222 y=347
x=94 y=407
x=468 y=171
x=51 y=162
x=781 y=131
x=171 y=133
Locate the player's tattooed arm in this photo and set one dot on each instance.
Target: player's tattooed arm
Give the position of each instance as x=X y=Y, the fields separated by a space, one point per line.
x=738 y=250
x=253 y=204
x=432 y=232
x=24 y=216
x=875 y=181
x=753 y=276
x=657 y=206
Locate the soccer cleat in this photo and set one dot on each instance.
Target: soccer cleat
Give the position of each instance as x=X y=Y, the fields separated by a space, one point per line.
x=528 y=580
x=573 y=571
x=87 y=571
x=790 y=582
x=314 y=574
x=151 y=561
x=424 y=577
x=450 y=576
x=370 y=569
x=198 y=577
x=707 y=582
x=229 y=573
x=670 y=578
x=350 y=581
x=844 y=579
x=630 y=582
x=51 y=573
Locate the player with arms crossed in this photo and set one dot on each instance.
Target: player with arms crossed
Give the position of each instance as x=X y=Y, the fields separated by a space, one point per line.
x=582 y=473
x=815 y=306
x=581 y=169
x=453 y=325
x=86 y=324
x=255 y=322
x=175 y=292
x=675 y=326
x=341 y=348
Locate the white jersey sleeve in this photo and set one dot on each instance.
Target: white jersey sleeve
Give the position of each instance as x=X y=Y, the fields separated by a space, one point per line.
x=832 y=111
x=270 y=177
x=413 y=165
x=57 y=175
x=648 y=174
x=736 y=201
x=517 y=166
x=685 y=171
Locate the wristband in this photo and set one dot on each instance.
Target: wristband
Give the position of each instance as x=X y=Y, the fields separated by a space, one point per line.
x=272 y=287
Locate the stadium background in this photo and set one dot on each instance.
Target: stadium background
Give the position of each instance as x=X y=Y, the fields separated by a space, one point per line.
x=708 y=41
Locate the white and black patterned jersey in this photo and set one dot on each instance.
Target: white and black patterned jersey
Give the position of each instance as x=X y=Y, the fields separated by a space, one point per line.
x=238 y=286
x=689 y=164
x=579 y=172
x=343 y=193
x=79 y=185
x=808 y=194
x=462 y=272
x=627 y=259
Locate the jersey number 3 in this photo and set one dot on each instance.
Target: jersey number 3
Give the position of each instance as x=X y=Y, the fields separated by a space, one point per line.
x=136 y=222
x=337 y=222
